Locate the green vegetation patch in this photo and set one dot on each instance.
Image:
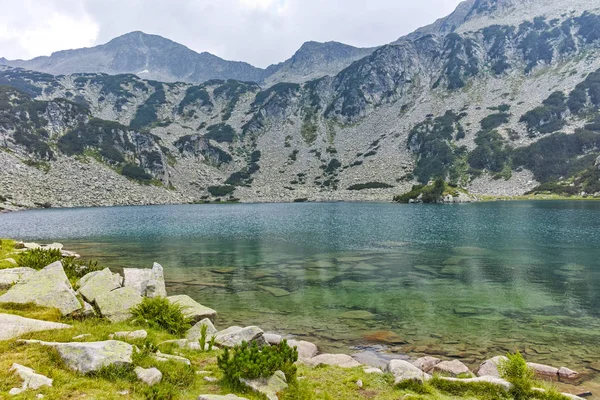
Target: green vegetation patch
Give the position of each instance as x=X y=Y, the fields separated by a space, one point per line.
x=147 y=113
x=222 y=133
x=547 y=118
x=370 y=185
x=160 y=313
x=193 y=95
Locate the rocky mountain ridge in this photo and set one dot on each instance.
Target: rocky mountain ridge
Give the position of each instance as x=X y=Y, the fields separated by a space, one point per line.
x=500 y=111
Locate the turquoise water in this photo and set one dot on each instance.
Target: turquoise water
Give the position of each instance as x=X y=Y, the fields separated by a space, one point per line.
x=467 y=281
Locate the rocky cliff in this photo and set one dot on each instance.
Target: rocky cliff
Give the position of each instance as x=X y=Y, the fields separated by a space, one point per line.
x=503 y=109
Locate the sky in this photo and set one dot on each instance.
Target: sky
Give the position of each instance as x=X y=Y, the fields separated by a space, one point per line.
x=261 y=32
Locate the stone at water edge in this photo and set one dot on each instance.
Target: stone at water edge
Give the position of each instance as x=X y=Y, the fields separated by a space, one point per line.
x=490 y=367
x=116 y=305
x=13 y=326
x=31 y=380
x=195 y=332
x=147 y=282
x=11 y=276
x=453 y=368
x=192 y=309
x=272 y=338
x=543 y=370
x=48 y=287
x=404 y=371
x=235 y=335
x=567 y=374
x=150 y=376
x=90 y=356
x=268 y=387
x=427 y=363
x=306 y=350
x=339 y=360
x=98 y=284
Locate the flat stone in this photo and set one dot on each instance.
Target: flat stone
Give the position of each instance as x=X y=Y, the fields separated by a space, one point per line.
x=101 y=282
x=116 y=305
x=566 y=373
x=13 y=326
x=11 y=276
x=452 y=368
x=235 y=335
x=489 y=379
x=306 y=350
x=147 y=282
x=543 y=370
x=150 y=376
x=134 y=335
x=219 y=397
x=427 y=363
x=48 y=287
x=268 y=387
x=192 y=309
x=339 y=360
x=387 y=337
x=272 y=338
x=210 y=379
x=404 y=371
x=31 y=380
x=490 y=367
x=166 y=357
x=195 y=332
x=90 y=356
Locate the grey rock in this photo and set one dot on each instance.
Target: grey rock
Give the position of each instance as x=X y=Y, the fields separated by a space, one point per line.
x=567 y=374
x=210 y=379
x=272 y=338
x=403 y=371
x=427 y=363
x=219 y=397
x=338 y=360
x=99 y=283
x=116 y=305
x=133 y=335
x=452 y=368
x=11 y=276
x=193 y=309
x=235 y=335
x=268 y=387
x=48 y=287
x=490 y=367
x=150 y=376
x=543 y=370
x=31 y=380
x=166 y=357
x=306 y=350
x=90 y=356
x=13 y=326
x=147 y=282
x=372 y=370
x=194 y=333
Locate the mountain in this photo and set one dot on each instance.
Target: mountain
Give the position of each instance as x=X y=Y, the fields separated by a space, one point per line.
x=314 y=60
x=156 y=58
x=510 y=105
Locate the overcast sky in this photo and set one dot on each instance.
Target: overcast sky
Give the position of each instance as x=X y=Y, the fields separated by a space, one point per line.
x=260 y=32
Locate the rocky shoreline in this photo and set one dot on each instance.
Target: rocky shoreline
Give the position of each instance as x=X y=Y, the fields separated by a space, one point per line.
x=111 y=296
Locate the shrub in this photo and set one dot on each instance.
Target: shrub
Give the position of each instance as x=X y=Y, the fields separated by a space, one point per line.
x=39 y=258
x=115 y=373
x=516 y=371
x=220 y=191
x=135 y=172
x=221 y=133
x=478 y=390
x=76 y=269
x=370 y=185
x=248 y=361
x=160 y=313
x=493 y=121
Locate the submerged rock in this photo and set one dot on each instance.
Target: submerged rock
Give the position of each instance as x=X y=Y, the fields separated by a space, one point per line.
x=235 y=335
x=357 y=314
x=13 y=326
x=90 y=356
x=48 y=287
x=192 y=309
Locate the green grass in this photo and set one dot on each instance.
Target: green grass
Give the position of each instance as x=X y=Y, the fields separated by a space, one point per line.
x=7 y=250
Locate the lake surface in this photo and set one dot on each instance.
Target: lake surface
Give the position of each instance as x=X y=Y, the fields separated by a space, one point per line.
x=467 y=281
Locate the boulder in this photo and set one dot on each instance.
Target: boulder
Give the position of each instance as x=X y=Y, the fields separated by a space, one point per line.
x=9 y=277
x=567 y=374
x=490 y=367
x=235 y=335
x=489 y=379
x=48 y=287
x=166 y=357
x=306 y=350
x=194 y=333
x=135 y=335
x=150 y=376
x=427 y=363
x=268 y=387
x=13 y=326
x=339 y=360
x=192 y=309
x=452 y=368
x=147 y=282
x=544 y=370
x=272 y=338
x=404 y=371
x=90 y=356
x=219 y=397
x=100 y=282
x=31 y=380
x=116 y=305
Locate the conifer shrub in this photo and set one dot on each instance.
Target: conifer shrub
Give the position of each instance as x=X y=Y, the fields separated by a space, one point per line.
x=160 y=313
x=39 y=258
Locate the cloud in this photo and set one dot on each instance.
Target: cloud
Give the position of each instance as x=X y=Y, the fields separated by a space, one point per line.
x=260 y=32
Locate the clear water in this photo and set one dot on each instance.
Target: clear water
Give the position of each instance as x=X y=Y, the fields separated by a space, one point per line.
x=467 y=281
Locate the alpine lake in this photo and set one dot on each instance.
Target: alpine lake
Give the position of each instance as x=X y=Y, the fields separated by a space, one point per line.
x=454 y=281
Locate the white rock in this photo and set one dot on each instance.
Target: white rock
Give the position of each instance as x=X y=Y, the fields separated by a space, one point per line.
x=339 y=360
x=566 y=373
x=31 y=380
x=11 y=276
x=81 y=337
x=210 y=379
x=306 y=350
x=490 y=367
x=192 y=309
x=235 y=335
x=453 y=368
x=403 y=371
x=194 y=333
x=272 y=338
x=116 y=305
x=150 y=376
x=135 y=335
x=359 y=383
x=166 y=357
x=373 y=371
x=15 y=391
x=101 y=282
x=543 y=370
x=147 y=282
x=427 y=363
x=268 y=387
x=219 y=397
x=13 y=326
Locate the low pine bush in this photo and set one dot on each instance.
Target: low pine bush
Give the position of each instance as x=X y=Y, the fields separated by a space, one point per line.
x=39 y=258
x=248 y=361
x=160 y=313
